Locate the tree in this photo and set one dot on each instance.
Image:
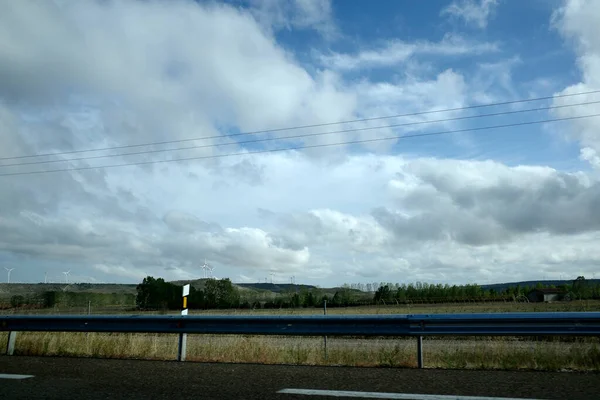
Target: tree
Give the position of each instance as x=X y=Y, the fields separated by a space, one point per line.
x=153 y=294
x=17 y=301
x=582 y=288
x=383 y=294
x=196 y=299
x=221 y=294
x=295 y=300
x=49 y=299
x=309 y=300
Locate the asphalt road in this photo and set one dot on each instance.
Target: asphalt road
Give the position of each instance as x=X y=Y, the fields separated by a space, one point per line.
x=79 y=378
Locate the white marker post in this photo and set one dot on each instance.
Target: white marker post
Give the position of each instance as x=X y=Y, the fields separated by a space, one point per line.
x=183 y=336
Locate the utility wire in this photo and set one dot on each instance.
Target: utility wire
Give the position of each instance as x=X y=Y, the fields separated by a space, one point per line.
x=303 y=147
x=300 y=136
x=304 y=126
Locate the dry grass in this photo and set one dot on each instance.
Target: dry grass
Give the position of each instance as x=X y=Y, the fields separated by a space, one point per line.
x=482 y=307
x=478 y=352
x=469 y=307
x=485 y=353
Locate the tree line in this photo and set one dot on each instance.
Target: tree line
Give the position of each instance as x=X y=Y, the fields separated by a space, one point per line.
x=581 y=289
x=158 y=294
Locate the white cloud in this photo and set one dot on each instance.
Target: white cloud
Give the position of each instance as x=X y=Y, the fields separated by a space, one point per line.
x=395 y=219
x=577 y=21
x=472 y=12
x=296 y=14
x=590 y=155
x=460 y=218
x=86 y=74
x=121 y=271
x=396 y=52
x=213 y=58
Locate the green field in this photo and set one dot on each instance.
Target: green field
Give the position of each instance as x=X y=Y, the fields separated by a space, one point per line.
x=450 y=352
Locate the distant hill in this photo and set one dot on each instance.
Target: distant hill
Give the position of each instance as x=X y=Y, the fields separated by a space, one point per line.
x=262 y=289
x=503 y=286
x=275 y=287
x=257 y=287
x=31 y=289
x=196 y=283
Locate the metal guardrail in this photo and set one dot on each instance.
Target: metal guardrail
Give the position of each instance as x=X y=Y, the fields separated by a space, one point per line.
x=511 y=324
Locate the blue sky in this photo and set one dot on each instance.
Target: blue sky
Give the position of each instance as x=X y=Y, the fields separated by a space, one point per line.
x=530 y=59
x=484 y=206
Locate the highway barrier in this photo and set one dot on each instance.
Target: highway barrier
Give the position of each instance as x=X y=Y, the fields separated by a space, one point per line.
x=419 y=325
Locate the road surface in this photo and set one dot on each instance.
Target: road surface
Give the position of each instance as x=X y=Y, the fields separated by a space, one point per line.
x=79 y=378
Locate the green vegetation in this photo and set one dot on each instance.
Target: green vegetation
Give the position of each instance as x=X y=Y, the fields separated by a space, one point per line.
x=29 y=297
x=156 y=294
x=425 y=293
x=76 y=299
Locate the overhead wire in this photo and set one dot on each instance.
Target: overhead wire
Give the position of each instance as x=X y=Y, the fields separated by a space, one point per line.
x=307 y=135
x=359 y=141
x=472 y=107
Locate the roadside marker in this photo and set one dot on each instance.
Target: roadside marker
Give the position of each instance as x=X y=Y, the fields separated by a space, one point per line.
x=15 y=376
x=183 y=336
x=381 y=395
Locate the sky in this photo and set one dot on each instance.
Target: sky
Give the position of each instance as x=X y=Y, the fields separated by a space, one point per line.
x=346 y=196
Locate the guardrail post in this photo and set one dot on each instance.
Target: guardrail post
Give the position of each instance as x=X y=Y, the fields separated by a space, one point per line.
x=420 y=351
x=325 y=337
x=181 y=349
x=10 y=346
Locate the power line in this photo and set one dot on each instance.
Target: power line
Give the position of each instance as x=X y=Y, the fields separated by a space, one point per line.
x=300 y=136
x=304 y=126
x=303 y=147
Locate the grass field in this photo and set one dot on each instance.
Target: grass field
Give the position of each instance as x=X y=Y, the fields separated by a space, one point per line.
x=485 y=353
x=483 y=307
x=480 y=352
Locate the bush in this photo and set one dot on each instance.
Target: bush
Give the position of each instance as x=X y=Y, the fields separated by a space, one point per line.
x=17 y=301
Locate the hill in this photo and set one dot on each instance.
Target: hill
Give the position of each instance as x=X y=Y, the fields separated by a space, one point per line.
x=32 y=289
x=503 y=286
x=258 y=288
x=275 y=287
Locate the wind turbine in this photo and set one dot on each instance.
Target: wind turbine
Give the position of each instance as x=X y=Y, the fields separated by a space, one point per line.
x=271 y=274
x=205 y=269
x=67 y=276
x=8 y=270
x=210 y=271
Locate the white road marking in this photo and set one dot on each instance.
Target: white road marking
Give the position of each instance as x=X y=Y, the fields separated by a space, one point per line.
x=15 y=376
x=380 y=395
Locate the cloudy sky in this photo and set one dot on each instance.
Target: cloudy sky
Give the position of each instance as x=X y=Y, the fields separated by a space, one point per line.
x=468 y=203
